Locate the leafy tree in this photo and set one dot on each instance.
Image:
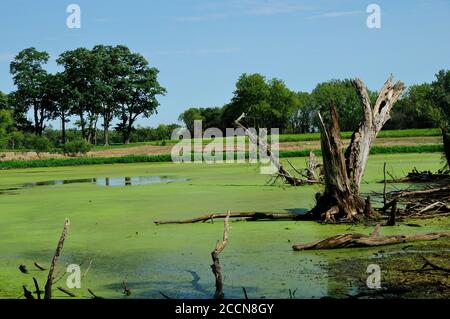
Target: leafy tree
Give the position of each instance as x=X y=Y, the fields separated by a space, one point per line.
x=303 y=115
x=439 y=109
x=31 y=81
x=189 y=116
x=6 y=126
x=250 y=96
x=408 y=112
x=137 y=93
x=82 y=73
x=76 y=147
x=3 y=101
x=344 y=96
x=39 y=144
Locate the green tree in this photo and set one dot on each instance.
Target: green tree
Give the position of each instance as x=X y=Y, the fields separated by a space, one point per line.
x=3 y=101
x=344 y=96
x=6 y=126
x=303 y=115
x=439 y=109
x=408 y=112
x=31 y=80
x=189 y=116
x=137 y=93
x=82 y=74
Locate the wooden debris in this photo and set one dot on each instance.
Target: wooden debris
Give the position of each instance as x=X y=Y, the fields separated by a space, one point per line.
x=360 y=240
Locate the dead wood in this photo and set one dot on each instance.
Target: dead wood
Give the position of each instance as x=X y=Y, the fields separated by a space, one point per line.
x=126 y=289
x=216 y=268
x=67 y=292
x=255 y=140
x=343 y=171
x=248 y=215
x=393 y=215
x=359 y=240
x=38 y=266
x=94 y=296
x=48 y=285
x=36 y=286
x=28 y=295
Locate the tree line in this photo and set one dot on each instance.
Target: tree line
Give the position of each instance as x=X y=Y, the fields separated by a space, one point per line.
x=111 y=84
x=96 y=86
x=269 y=103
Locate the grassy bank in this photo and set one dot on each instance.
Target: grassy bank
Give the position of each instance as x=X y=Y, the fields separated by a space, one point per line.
x=77 y=161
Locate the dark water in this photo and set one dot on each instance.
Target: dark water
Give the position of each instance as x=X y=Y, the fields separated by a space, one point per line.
x=101 y=181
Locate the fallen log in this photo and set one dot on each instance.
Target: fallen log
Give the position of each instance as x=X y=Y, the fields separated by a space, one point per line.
x=249 y=215
x=431 y=191
x=359 y=240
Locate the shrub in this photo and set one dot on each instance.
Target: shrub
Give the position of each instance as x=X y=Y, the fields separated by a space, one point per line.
x=76 y=147
x=39 y=144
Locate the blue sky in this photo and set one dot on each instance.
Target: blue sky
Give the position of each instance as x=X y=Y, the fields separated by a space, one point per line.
x=201 y=47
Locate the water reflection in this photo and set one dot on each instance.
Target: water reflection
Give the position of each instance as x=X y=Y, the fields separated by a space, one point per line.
x=103 y=181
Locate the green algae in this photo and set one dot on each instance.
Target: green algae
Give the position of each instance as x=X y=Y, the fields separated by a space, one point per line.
x=114 y=228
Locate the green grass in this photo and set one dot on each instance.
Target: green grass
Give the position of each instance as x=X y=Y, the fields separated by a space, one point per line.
x=114 y=228
x=76 y=161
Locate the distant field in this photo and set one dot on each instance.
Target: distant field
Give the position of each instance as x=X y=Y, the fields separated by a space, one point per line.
x=78 y=161
x=291 y=138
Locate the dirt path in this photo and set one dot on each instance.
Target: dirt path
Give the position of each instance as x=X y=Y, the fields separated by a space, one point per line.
x=158 y=150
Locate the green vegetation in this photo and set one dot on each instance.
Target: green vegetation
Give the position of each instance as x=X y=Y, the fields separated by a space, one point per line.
x=76 y=147
x=55 y=162
x=113 y=227
x=110 y=84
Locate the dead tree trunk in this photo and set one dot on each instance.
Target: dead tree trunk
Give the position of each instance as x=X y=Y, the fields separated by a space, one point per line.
x=344 y=171
x=215 y=267
x=48 y=285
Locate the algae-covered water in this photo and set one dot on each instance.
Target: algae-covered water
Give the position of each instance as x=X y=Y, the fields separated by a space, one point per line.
x=113 y=227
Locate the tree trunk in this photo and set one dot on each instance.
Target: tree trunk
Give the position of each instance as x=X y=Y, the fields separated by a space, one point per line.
x=343 y=171
x=106 y=129
x=63 y=128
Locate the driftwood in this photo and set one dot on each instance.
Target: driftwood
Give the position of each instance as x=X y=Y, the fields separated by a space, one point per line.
x=360 y=240
x=216 y=268
x=48 y=285
x=249 y=215
x=343 y=171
